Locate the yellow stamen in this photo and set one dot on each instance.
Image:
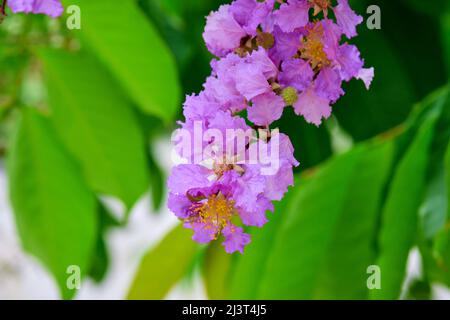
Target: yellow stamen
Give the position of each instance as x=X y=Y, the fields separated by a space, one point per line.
x=312 y=48
x=217 y=211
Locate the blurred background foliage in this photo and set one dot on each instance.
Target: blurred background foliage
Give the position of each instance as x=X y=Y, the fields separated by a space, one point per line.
x=80 y=111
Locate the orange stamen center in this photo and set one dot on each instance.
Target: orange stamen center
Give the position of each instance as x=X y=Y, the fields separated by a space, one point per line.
x=312 y=48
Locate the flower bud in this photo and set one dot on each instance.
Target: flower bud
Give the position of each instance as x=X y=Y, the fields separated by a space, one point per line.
x=289 y=95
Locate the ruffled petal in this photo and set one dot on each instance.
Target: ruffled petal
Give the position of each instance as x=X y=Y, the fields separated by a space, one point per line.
x=312 y=106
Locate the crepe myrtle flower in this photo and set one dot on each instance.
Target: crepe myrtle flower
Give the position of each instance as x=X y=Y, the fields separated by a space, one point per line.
x=52 y=8
x=238 y=26
x=206 y=208
x=246 y=24
x=273 y=56
x=239 y=83
x=214 y=201
x=268 y=56
x=215 y=195
x=318 y=68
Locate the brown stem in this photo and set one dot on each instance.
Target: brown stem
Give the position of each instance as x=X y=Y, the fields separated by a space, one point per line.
x=3 y=9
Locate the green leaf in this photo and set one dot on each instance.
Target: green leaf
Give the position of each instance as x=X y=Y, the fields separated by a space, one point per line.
x=447 y=176
x=433 y=235
x=445 y=22
x=321 y=248
x=434 y=7
x=433 y=211
x=312 y=145
x=55 y=211
x=351 y=251
x=101 y=258
x=97 y=124
x=399 y=80
x=421 y=38
x=400 y=212
x=250 y=267
x=437 y=257
x=216 y=271
x=419 y=290
x=365 y=114
x=133 y=51
x=181 y=23
x=163 y=266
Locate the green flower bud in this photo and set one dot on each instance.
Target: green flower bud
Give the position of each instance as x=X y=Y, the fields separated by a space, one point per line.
x=289 y=95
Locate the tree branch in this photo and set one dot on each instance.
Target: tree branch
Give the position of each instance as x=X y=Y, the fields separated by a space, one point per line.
x=4 y=7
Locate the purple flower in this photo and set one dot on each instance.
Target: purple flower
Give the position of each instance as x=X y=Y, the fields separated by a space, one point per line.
x=179 y=205
x=250 y=80
x=366 y=75
x=251 y=13
x=186 y=177
x=266 y=108
x=247 y=187
x=225 y=120
x=209 y=199
x=258 y=217
x=312 y=106
x=52 y=8
x=330 y=38
x=292 y=15
x=208 y=212
x=242 y=20
x=200 y=107
x=276 y=185
x=235 y=239
x=203 y=233
x=296 y=73
x=328 y=84
x=223 y=33
x=349 y=62
x=268 y=58
x=259 y=59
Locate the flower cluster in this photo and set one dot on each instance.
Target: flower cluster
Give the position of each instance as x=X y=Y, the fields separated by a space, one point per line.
x=270 y=54
x=52 y=8
x=303 y=60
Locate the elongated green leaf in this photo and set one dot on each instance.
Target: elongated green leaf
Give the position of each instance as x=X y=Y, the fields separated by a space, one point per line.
x=400 y=213
x=351 y=251
x=54 y=209
x=101 y=257
x=321 y=248
x=433 y=211
x=434 y=8
x=250 y=267
x=97 y=125
x=441 y=246
x=216 y=271
x=447 y=178
x=445 y=22
x=425 y=77
x=181 y=23
x=164 y=266
x=399 y=80
x=432 y=236
x=133 y=51
x=367 y=113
